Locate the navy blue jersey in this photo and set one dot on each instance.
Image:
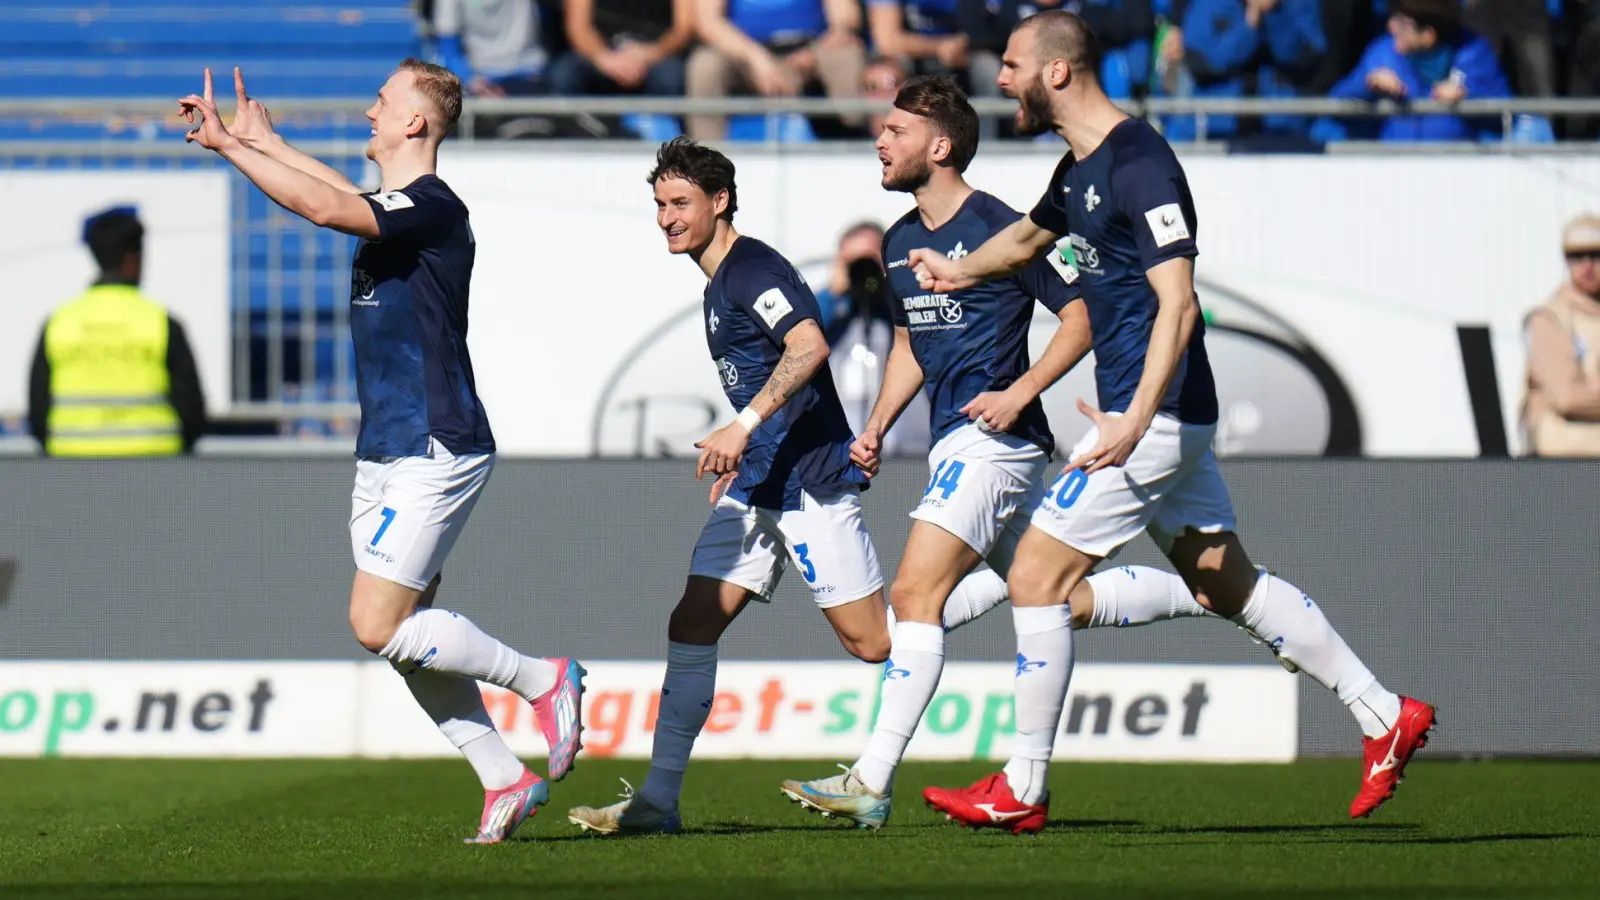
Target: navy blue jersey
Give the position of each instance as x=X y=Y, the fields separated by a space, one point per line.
x=1124 y=209
x=974 y=340
x=408 y=316
x=751 y=302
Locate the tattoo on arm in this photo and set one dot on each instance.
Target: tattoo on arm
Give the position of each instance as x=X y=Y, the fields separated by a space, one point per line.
x=791 y=374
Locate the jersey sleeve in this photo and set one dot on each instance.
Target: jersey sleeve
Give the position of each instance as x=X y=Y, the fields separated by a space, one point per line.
x=1050 y=281
x=1050 y=213
x=413 y=215
x=775 y=300
x=1151 y=191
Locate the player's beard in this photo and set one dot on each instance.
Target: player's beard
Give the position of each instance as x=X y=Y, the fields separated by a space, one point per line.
x=907 y=179
x=1034 y=114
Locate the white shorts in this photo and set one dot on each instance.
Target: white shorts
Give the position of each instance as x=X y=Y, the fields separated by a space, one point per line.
x=1169 y=485
x=406 y=513
x=749 y=547
x=983 y=488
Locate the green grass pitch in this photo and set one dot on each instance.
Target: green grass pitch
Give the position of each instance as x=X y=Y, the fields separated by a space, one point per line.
x=355 y=829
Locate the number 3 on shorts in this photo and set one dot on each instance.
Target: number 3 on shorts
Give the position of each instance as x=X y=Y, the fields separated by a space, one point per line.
x=388 y=519
x=810 y=571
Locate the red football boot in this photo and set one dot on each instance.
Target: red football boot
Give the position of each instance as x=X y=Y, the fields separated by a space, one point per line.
x=989 y=804
x=1385 y=758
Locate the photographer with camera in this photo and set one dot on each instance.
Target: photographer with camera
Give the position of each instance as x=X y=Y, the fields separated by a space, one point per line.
x=859 y=330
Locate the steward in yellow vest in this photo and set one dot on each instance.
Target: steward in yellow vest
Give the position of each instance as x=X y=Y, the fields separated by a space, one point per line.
x=113 y=374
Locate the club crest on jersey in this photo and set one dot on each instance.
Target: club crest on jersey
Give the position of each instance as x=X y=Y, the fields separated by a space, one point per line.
x=1090 y=199
x=362 y=288
x=712 y=321
x=958 y=252
x=730 y=373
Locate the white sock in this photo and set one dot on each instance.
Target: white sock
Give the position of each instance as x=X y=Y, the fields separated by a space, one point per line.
x=1285 y=617
x=1138 y=595
x=455 y=704
x=976 y=594
x=687 y=691
x=439 y=640
x=1044 y=667
x=916 y=657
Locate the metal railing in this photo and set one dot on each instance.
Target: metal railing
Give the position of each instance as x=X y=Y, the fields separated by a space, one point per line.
x=350 y=112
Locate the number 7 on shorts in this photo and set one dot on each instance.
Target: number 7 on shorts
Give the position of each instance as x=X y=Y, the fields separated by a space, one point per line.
x=388 y=519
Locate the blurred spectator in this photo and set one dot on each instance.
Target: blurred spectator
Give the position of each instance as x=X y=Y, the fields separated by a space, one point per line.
x=925 y=34
x=1427 y=54
x=851 y=287
x=778 y=48
x=624 y=46
x=1583 y=76
x=1124 y=29
x=883 y=80
x=113 y=374
x=493 y=46
x=1238 y=48
x=1561 y=406
x=1519 y=31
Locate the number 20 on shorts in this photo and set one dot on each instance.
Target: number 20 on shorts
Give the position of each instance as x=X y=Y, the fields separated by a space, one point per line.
x=1064 y=492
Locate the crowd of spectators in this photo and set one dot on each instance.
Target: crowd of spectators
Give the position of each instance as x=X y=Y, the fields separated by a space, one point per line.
x=1446 y=50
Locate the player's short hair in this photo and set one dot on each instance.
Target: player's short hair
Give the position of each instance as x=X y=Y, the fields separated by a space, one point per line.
x=113 y=235
x=440 y=86
x=701 y=166
x=1059 y=34
x=938 y=99
x=1443 y=16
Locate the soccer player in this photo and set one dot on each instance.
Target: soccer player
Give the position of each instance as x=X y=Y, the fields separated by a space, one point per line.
x=992 y=443
x=424 y=449
x=785 y=485
x=1122 y=200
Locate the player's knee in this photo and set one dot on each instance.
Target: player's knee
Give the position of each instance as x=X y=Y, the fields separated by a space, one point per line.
x=915 y=602
x=371 y=632
x=1032 y=585
x=874 y=649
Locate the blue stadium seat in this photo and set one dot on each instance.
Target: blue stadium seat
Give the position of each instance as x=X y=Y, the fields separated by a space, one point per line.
x=789 y=128
x=652 y=127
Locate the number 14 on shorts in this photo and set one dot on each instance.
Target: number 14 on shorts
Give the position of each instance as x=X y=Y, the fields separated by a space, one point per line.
x=946 y=478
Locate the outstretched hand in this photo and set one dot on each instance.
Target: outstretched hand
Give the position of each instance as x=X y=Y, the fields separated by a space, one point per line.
x=209 y=133
x=252 y=123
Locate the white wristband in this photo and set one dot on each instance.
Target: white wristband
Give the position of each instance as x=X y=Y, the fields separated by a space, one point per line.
x=749 y=418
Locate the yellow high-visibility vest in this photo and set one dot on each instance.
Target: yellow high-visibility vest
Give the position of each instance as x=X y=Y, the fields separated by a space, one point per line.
x=108 y=377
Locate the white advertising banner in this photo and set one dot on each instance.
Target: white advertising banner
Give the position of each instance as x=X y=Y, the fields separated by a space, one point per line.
x=203 y=709
x=1154 y=713
x=187 y=266
x=1337 y=286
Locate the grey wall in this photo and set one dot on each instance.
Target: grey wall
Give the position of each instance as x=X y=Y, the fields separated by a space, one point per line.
x=1469 y=583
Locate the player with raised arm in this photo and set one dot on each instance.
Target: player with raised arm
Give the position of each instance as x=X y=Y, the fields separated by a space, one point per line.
x=992 y=443
x=785 y=485
x=1118 y=208
x=424 y=451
